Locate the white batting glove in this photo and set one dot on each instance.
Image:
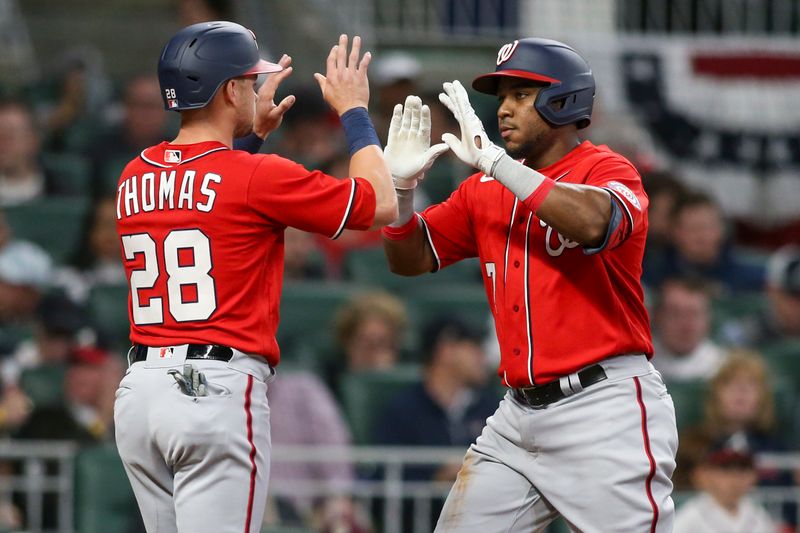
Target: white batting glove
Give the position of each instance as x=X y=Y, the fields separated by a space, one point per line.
x=474 y=148
x=408 y=151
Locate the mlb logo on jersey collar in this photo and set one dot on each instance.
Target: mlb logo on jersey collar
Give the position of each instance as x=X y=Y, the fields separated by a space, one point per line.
x=165 y=353
x=172 y=156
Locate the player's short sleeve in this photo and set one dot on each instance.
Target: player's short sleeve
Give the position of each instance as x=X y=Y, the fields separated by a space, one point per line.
x=449 y=228
x=629 y=211
x=312 y=201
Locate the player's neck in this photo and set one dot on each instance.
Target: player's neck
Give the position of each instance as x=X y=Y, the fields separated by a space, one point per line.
x=197 y=131
x=553 y=153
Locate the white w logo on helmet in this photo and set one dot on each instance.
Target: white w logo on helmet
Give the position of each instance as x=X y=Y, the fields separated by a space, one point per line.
x=506 y=52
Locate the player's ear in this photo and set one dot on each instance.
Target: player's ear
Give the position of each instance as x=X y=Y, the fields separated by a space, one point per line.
x=229 y=90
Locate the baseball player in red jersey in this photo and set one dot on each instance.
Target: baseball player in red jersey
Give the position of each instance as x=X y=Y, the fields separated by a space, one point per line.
x=201 y=228
x=587 y=428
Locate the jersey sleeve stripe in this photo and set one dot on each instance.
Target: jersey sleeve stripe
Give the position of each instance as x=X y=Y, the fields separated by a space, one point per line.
x=624 y=205
x=348 y=210
x=430 y=241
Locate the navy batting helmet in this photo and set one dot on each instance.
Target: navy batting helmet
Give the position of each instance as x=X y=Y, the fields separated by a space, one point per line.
x=565 y=74
x=201 y=57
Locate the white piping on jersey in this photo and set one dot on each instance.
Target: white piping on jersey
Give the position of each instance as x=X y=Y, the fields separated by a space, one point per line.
x=562 y=175
x=508 y=240
x=505 y=378
x=624 y=205
x=185 y=160
x=430 y=241
x=527 y=306
x=153 y=162
x=346 y=211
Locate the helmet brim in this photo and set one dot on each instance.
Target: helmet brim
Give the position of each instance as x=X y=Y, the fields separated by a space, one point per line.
x=263 y=67
x=487 y=83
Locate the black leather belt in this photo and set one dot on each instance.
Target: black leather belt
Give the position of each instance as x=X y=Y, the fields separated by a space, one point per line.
x=194 y=351
x=542 y=395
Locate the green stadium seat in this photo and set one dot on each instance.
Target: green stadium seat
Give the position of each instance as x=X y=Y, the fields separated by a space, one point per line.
x=44 y=385
x=364 y=395
x=689 y=400
x=104 y=501
x=369 y=267
x=286 y=529
x=108 y=308
x=466 y=301
x=73 y=171
x=735 y=307
x=307 y=312
x=55 y=224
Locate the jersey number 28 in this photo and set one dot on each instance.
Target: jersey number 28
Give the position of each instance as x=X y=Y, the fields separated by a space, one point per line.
x=178 y=276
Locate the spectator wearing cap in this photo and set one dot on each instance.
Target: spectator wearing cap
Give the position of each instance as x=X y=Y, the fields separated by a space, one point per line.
x=739 y=404
x=699 y=248
x=86 y=415
x=451 y=404
x=56 y=327
x=394 y=76
x=725 y=475
x=25 y=272
x=780 y=322
x=682 y=346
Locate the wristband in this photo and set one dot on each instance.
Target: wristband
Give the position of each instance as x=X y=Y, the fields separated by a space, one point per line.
x=252 y=143
x=534 y=201
x=403 y=232
x=405 y=207
x=358 y=129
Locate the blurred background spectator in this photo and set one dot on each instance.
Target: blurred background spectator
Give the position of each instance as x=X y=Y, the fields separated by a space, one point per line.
x=22 y=176
x=682 y=347
x=369 y=333
x=725 y=475
x=699 y=247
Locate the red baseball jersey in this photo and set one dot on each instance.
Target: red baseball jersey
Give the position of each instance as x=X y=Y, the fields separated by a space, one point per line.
x=557 y=306
x=201 y=229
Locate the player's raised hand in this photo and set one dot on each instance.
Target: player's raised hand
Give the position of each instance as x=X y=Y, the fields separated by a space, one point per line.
x=474 y=147
x=268 y=115
x=408 y=151
x=345 y=84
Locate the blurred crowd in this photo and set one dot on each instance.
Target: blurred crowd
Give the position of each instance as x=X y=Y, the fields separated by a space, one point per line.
x=725 y=312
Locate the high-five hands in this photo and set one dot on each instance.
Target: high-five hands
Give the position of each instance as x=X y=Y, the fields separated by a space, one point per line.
x=408 y=151
x=474 y=148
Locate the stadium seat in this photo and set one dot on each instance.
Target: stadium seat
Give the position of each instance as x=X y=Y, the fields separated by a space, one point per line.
x=364 y=395
x=369 y=267
x=689 y=400
x=55 y=224
x=307 y=312
x=104 y=501
x=466 y=301
x=72 y=170
x=735 y=307
x=108 y=308
x=44 y=385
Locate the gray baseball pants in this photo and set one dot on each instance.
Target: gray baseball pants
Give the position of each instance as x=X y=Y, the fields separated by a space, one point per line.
x=602 y=458
x=196 y=464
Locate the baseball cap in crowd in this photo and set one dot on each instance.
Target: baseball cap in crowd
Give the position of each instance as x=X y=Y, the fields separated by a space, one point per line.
x=394 y=67
x=88 y=356
x=447 y=328
x=59 y=315
x=783 y=270
x=25 y=264
x=732 y=452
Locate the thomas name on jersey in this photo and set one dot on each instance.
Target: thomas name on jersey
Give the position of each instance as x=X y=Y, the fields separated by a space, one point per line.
x=165 y=190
